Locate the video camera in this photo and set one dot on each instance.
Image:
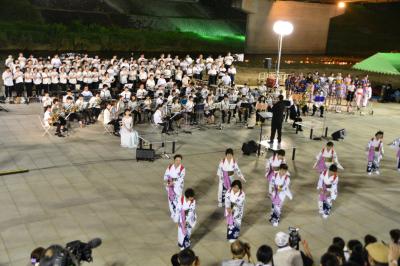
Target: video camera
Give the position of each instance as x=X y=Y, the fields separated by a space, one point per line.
x=72 y=255
x=294 y=237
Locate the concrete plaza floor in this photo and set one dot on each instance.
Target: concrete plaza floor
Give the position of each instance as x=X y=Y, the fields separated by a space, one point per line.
x=86 y=186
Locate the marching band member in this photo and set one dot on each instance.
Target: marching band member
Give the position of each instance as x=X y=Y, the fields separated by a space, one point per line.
x=19 y=81
x=134 y=106
x=189 y=109
x=278 y=191
x=225 y=109
x=326 y=157
x=105 y=93
x=209 y=109
x=109 y=118
x=327 y=186
x=273 y=164
x=234 y=210
x=158 y=119
x=174 y=177
x=227 y=168
x=37 y=81
x=72 y=79
x=28 y=81
x=126 y=94
x=46 y=80
x=350 y=95
x=375 y=153
x=82 y=109
x=46 y=101
x=185 y=217
x=58 y=117
x=48 y=120
x=95 y=107
x=72 y=110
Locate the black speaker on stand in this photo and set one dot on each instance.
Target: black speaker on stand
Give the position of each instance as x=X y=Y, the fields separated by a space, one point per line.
x=338 y=134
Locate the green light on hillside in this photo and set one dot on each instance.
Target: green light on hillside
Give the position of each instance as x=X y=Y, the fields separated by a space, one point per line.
x=209 y=29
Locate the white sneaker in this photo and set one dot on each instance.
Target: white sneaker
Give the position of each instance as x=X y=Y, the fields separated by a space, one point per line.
x=369 y=173
x=377 y=172
x=324 y=216
x=220 y=205
x=275 y=224
x=398 y=169
x=231 y=240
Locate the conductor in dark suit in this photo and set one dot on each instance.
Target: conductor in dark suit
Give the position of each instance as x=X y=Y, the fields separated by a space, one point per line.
x=278 y=110
x=294 y=114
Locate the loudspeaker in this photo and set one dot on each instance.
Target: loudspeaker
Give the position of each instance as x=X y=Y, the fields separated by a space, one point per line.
x=338 y=134
x=145 y=154
x=249 y=147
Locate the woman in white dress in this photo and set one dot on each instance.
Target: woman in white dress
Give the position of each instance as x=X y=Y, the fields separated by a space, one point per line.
x=129 y=137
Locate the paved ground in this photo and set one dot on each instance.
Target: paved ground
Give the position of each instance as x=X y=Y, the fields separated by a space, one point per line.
x=86 y=186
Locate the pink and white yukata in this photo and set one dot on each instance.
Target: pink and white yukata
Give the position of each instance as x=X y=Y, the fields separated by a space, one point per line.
x=234 y=201
x=327 y=186
x=174 y=177
x=325 y=159
x=278 y=190
x=186 y=218
x=375 y=155
x=272 y=166
x=226 y=171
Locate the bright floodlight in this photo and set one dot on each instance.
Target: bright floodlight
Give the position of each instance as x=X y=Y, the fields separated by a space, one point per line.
x=341 y=4
x=283 y=27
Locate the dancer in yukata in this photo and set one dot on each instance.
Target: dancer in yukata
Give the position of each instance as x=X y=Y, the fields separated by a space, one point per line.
x=174 y=177
x=234 y=207
x=227 y=168
x=278 y=191
x=186 y=217
x=273 y=164
x=327 y=186
x=326 y=157
x=375 y=153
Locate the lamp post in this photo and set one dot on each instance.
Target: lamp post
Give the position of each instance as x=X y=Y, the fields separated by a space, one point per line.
x=282 y=28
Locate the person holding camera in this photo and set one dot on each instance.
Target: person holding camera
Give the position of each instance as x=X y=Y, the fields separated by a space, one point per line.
x=239 y=250
x=286 y=255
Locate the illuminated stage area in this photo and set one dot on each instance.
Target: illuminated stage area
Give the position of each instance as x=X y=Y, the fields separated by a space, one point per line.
x=86 y=186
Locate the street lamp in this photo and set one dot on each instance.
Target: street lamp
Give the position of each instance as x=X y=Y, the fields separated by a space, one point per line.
x=282 y=28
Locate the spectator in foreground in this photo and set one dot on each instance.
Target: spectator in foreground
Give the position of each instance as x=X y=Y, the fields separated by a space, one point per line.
x=186 y=257
x=286 y=255
x=239 y=250
x=329 y=259
x=378 y=254
x=338 y=241
x=264 y=256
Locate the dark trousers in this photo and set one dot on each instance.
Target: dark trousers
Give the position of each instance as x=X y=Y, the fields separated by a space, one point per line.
x=61 y=122
x=115 y=123
x=95 y=113
x=137 y=116
x=245 y=112
x=19 y=87
x=224 y=113
x=38 y=89
x=276 y=126
x=28 y=86
x=321 y=110
x=212 y=80
x=9 y=90
x=297 y=119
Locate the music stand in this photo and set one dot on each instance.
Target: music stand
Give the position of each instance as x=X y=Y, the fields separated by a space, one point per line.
x=266 y=116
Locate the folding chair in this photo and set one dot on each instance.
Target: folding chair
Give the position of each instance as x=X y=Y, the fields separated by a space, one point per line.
x=108 y=129
x=46 y=128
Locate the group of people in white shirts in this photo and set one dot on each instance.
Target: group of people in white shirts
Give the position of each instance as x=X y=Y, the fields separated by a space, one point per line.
x=24 y=76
